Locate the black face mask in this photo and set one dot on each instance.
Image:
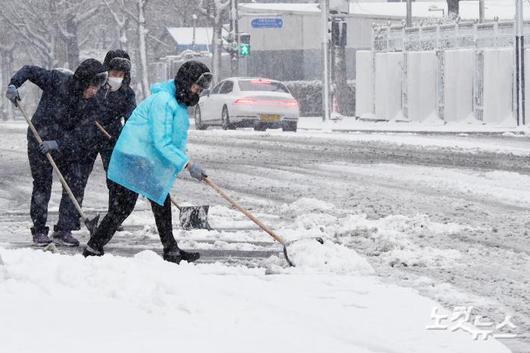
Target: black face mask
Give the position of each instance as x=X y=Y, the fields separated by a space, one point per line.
x=185 y=96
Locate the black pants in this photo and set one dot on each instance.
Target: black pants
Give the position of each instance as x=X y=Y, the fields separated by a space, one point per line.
x=123 y=204
x=68 y=215
x=42 y=173
x=105 y=151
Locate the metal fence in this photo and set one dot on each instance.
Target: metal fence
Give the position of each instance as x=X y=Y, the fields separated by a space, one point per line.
x=441 y=36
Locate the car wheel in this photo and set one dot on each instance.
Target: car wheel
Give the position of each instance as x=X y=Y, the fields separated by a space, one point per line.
x=225 y=118
x=290 y=126
x=198 y=120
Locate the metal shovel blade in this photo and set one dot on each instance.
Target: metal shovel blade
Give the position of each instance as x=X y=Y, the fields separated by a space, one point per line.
x=194 y=217
x=289 y=261
x=92 y=224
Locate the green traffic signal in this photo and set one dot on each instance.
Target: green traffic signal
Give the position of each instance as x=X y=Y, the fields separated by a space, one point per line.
x=244 y=49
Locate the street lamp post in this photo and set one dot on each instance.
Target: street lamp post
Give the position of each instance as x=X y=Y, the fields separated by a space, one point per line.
x=519 y=64
x=409 y=13
x=325 y=61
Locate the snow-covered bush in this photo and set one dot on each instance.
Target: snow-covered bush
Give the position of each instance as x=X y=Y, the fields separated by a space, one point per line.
x=309 y=96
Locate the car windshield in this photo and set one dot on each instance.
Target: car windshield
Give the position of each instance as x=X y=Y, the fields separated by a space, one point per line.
x=262 y=85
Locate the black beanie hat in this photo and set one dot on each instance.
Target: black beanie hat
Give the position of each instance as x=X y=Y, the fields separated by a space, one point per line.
x=90 y=72
x=188 y=74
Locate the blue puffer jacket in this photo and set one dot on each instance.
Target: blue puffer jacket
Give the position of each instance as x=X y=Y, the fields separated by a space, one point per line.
x=151 y=149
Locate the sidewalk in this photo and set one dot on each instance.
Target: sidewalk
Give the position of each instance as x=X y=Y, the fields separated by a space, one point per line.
x=351 y=124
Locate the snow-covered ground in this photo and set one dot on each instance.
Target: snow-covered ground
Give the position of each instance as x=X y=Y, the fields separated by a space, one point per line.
x=410 y=223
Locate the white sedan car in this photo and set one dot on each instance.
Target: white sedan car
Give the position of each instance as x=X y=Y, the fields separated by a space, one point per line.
x=247 y=102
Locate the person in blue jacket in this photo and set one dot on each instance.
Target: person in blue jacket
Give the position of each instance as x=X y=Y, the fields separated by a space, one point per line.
x=116 y=101
x=148 y=156
x=65 y=120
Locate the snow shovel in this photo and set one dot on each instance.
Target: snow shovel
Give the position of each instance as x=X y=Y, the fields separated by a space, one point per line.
x=90 y=224
x=191 y=217
x=252 y=218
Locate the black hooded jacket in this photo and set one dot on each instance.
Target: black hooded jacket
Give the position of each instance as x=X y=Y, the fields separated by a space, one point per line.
x=118 y=104
x=62 y=114
x=113 y=106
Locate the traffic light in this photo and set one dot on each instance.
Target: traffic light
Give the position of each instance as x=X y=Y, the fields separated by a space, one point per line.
x=244 y=45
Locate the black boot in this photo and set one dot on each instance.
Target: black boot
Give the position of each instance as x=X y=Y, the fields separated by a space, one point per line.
x=40 y=238
x=89 y=251
x=64 y=237
x=174 y=254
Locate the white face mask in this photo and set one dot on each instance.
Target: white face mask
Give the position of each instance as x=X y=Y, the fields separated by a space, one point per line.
x=115 y=83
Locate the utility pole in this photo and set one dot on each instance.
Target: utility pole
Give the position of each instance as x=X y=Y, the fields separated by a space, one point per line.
x=234 y=33
x=480 y=11
x=409 y=13
x=325 y=59
x=193 y=41
x=519 y=64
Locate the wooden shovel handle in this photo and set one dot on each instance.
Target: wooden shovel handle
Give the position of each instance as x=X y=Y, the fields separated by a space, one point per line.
x=52 y=162
x=244 y=211
x=175 y=202
x=103 y=131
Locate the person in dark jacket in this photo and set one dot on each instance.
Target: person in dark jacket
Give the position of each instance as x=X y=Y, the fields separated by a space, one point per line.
x=148 y=156
x=65 y=120
x=116 y=101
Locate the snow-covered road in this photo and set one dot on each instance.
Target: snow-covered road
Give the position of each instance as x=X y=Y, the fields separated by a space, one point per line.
x=446 y=215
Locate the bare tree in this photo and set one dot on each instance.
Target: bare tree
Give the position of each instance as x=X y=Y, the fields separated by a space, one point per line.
x=50 y=27
x=121 y=20
x=32 y=20
x=7 y=53
x=215 y=11
x=74 y=14
x=138 y=17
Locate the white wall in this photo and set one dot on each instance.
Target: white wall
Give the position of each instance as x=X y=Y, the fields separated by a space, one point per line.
x=498 y=87
x=422 y=71
x=458 y=85
x=364 y=82
x=388 y=75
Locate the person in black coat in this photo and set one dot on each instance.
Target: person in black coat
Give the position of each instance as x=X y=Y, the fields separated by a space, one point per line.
x=65 y=120
x=116 y=101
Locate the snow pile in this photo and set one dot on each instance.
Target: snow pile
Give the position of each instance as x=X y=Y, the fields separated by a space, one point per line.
x=310 y=254
x=397 y=239
x=144 y=304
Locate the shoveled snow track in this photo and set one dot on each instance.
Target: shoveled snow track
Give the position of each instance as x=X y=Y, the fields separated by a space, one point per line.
x=248 y=258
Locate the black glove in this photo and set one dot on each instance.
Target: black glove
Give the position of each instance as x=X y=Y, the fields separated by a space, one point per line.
x=48 y=146
x=197 y=172
x=12 y=94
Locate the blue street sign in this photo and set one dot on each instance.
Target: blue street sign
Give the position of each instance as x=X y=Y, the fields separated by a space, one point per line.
x=267 y=23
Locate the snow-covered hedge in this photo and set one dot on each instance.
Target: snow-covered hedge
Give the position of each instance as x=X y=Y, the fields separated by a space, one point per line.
x=309 y=96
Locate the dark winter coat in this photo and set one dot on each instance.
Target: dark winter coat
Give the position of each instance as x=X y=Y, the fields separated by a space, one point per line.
x=113 y=106
x=63 y=114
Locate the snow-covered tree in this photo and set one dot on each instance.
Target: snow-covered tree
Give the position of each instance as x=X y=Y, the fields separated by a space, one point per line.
x=51 y=27
x=137 y=15
x=215 y=11
x=121 y=20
